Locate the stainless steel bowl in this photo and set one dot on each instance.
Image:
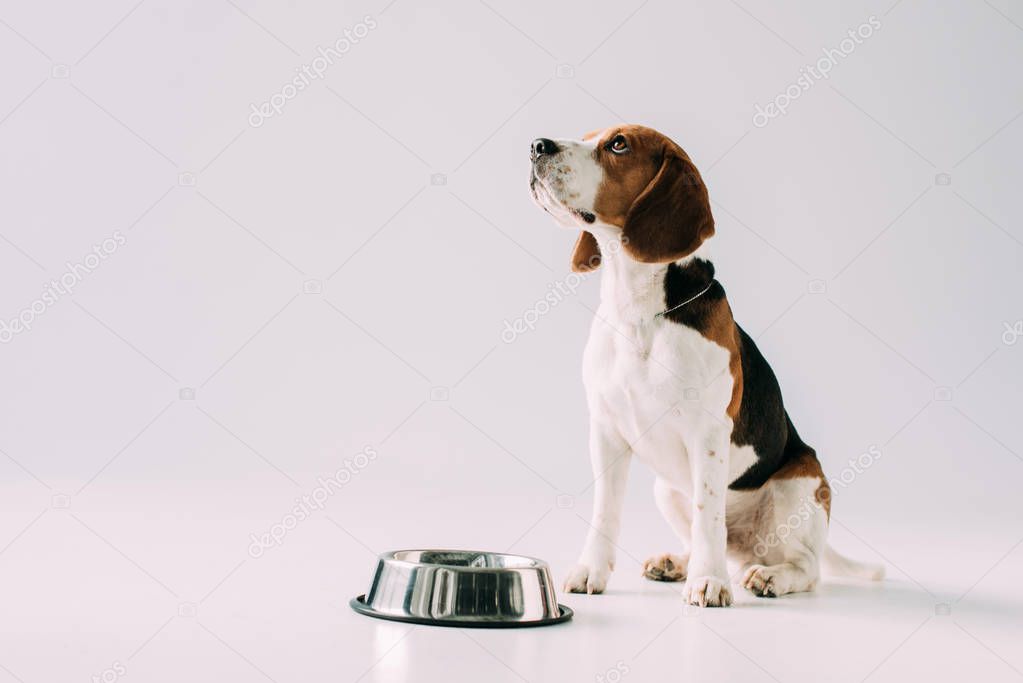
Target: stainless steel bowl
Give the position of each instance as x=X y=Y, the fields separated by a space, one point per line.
x=462 y=588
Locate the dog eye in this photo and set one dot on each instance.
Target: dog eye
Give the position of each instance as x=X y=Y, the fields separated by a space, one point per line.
x=618 y=145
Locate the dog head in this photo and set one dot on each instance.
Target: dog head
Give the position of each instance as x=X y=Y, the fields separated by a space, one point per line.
x=628 y=179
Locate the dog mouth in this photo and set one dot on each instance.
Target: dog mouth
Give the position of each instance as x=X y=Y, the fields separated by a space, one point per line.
x=547 y=199
x=542 y=194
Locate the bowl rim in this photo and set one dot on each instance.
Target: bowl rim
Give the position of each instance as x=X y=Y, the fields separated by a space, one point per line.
x=533 y=563
x=359 y=604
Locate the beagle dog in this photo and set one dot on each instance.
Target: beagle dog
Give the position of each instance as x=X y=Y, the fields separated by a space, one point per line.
x=672 y=380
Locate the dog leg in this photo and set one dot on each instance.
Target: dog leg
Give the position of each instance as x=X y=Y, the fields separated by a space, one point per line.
x=674 y=507
x=610 y=455
x=792 y=540
x=707 y=584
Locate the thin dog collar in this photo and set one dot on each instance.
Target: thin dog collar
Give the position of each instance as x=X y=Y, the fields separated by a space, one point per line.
x=689 y=300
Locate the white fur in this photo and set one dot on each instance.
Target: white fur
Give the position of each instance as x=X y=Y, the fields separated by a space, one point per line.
x=567 y=182
x=658 y=391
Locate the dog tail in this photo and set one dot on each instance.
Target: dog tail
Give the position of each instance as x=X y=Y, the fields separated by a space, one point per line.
x=837 y=564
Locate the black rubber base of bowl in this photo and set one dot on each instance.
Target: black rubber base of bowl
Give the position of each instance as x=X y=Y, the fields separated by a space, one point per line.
x=359 y=605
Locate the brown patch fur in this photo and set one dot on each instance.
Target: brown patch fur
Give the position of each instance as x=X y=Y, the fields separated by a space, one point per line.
x=805 y=464
x=654 y=193
x=720 y=329
x=586 y=253
x=626 y=175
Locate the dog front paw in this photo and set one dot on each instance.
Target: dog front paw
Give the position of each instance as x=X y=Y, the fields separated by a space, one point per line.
x=587 y=578
x=707 y=591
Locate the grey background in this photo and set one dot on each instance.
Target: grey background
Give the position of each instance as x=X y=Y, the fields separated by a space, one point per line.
x=319 y=288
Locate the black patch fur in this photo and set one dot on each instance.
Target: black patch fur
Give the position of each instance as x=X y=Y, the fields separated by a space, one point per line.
x=762 y=421
x=685 y=282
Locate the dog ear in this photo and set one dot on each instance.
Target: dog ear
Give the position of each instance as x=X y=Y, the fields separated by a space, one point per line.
x=671 y=217
x=586 y=254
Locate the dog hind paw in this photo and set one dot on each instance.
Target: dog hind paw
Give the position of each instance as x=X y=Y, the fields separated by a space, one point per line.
x=759 y=581
x=666 y=567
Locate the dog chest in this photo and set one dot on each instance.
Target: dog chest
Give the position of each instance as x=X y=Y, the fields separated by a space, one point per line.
x=659 y=384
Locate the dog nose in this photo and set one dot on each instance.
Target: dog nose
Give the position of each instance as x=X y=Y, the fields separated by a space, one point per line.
x=543 y=146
